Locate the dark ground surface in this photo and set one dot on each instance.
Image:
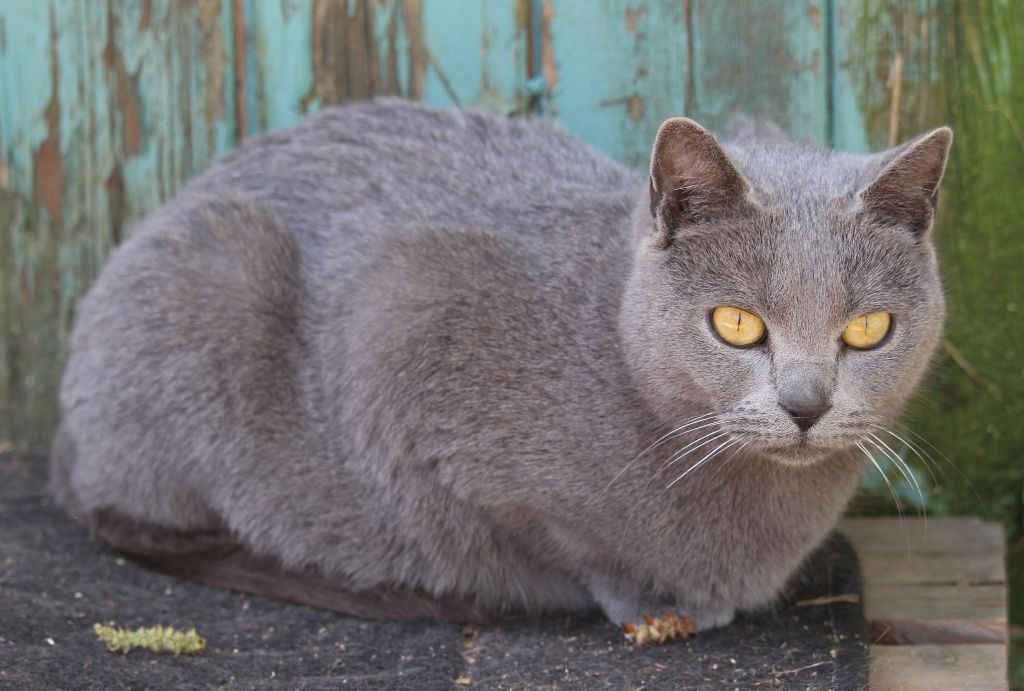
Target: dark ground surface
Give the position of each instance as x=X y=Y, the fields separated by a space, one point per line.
x=55 y=583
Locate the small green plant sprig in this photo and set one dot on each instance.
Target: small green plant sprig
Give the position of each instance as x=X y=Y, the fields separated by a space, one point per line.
x=157 y=639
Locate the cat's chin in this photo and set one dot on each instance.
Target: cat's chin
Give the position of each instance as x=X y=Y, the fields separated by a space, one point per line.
x=796 y=455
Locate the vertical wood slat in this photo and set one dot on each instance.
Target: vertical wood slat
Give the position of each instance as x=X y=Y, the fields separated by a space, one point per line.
x=617 y=69
x=106 y=108
x=303 y=55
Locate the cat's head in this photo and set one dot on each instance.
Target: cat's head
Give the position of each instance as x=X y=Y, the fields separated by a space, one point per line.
x=793 y=292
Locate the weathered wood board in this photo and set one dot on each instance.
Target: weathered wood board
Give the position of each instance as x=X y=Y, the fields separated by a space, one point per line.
x=931 y=581
x=617 y=69
x=931 y=667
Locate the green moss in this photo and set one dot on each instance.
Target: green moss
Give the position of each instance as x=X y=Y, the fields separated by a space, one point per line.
x=156 y=639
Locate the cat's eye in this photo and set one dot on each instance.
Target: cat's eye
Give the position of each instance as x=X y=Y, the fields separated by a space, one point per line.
x=738 y=327
x=867 y=330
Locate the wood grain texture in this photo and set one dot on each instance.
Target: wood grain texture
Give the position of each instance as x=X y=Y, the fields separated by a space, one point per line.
x=304 y=54
x=617 y=69
x=931 y=667
x=935 y=581
x=900 y=569
x=107 y=108
x=955 y=536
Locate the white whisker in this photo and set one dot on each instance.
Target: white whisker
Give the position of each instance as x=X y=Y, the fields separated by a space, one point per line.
x=691 y=447
x=904 y=469
x=951 y=463
x=708 y=457
x=929 y=463
x=892 y=490
x=682 y=429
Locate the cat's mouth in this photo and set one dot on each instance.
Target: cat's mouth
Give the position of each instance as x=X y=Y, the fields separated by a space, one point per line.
x=800 y=452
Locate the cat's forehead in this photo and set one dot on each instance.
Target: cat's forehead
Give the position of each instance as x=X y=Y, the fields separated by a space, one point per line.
x=784 y=172
x=808 y=260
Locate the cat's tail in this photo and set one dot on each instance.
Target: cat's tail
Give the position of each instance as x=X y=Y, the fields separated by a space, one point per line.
x=217 y=558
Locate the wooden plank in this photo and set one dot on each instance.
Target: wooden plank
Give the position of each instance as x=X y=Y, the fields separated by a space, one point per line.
x=615 y=70
x=307 y=53
x=107 y=108
x=930 y=667
x=764 y=59
x=936 y=614
x=888 y=569
x=935 y=536
x=939 y=580
x=706 y=59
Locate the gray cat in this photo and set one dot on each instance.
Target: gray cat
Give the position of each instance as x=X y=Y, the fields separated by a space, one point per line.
x=403 y=362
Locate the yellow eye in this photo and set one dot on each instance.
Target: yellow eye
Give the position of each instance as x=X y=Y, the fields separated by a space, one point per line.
x=738 y=327
x=867 y=330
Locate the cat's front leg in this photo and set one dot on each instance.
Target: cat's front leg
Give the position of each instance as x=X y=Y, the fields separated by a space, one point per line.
x=625 y=605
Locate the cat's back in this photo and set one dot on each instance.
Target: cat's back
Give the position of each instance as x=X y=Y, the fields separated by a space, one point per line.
x=356 y=168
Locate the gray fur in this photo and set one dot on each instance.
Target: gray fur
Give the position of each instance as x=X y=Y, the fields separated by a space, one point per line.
x=422 y=350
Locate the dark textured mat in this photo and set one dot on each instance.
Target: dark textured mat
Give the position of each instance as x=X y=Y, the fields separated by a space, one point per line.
x=55 y=584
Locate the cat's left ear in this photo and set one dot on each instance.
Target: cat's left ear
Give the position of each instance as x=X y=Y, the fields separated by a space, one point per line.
x=692 y=178
x=904 y=192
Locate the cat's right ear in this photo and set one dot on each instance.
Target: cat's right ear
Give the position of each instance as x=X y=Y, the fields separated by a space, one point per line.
x=692 y=178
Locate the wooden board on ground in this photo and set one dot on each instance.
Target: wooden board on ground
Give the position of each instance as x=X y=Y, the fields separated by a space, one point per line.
x=935 y=599
x=934 y=581
x=946 y=667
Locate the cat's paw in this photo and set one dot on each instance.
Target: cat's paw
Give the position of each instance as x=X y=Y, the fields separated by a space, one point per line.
x=669 y=626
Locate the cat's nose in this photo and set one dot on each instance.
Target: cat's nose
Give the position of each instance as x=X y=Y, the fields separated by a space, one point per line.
x=805 y=415
x=805 y=392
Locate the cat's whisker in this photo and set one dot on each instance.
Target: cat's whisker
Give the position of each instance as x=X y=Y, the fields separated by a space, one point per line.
x=678 y=431
x=733 y=455
x=904 y=469
x=892 y=490
x=944 y=457
x=929 y=463
x=721 y=447
x=691 y=447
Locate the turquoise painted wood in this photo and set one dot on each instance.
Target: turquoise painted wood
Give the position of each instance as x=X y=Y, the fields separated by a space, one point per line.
x=617 y=68
x=106 y=108
x=302 y=55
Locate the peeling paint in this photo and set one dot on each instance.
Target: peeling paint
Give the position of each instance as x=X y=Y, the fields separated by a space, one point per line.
x=549 y=68
x=239 y=41
x=146 y=15
x=114 y=187
x=634 y=104
x=49 y=164
x=632 y=15
x=343 y=53
x=215 y=64
x=125 y=98
x=814 y=13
